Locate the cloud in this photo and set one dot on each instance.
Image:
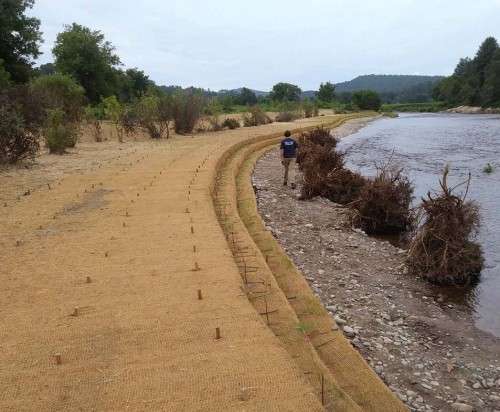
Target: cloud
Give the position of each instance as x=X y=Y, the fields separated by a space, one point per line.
x=226 y=44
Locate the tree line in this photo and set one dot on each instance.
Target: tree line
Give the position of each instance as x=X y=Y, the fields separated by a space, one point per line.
x=475 y=81
x=87 y=83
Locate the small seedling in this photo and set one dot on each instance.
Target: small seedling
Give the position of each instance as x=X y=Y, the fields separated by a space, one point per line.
x=488 y=169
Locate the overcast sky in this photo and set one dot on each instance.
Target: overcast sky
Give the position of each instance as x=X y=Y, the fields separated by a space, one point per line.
x=229 y=43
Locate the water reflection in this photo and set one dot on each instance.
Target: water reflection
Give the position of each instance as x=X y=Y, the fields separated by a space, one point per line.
x=423 y=144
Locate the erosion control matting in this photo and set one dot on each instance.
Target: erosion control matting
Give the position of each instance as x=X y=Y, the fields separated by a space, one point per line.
x=121 y=291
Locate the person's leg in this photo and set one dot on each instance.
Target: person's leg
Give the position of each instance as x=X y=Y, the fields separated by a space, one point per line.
x=292 y=172
x=286 y=165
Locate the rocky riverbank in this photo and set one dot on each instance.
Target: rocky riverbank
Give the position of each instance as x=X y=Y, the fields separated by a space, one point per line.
x=425 y=348
x=473 y=110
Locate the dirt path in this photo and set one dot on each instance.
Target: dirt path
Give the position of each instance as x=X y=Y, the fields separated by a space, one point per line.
x=427 y=350
x=102 y=264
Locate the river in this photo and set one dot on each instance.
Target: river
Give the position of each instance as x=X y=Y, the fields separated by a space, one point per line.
x=423 y=144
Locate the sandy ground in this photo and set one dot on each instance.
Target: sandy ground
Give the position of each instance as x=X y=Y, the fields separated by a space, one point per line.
x=104 y=253
x=425 y=348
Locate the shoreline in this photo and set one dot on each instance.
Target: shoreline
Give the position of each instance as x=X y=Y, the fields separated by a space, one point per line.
x=426 y=349
x=472 y=110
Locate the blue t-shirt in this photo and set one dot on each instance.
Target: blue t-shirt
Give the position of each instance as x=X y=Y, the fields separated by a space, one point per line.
x=289 y=147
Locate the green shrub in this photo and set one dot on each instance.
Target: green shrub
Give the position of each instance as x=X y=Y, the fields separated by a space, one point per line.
x=59 y=133
x=59 y=91
x=113 y=111
x=231 y=123
x=488 y=169
x=154 y=114
x=367 y=100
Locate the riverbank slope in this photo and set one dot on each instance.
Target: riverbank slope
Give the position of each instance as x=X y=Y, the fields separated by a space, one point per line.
x=426 y=349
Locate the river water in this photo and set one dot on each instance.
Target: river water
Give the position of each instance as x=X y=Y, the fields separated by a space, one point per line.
x=423 y=144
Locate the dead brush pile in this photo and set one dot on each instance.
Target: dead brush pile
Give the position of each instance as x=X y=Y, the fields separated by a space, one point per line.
x=323 y=167
x=317 y=137
x=442 y=249
x=255 y=117
x=383 y=206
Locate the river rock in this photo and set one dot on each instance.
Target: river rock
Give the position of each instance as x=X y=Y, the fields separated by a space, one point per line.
x=339 y=321
x=462 y=407
x=349 y=332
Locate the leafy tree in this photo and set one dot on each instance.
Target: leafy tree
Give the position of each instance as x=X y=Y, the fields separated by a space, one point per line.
x=491 y=89
x=366 y=100
x=326 y=92
x=4 y=77
x=463 y=67
x=132 y=84
x=286 y=92
x=227 y=103
x=46 y=69
x=89 y=58
x=60 y=91
x=20 y=38
x=484 y=56
x=474 y=81
x=246 y=97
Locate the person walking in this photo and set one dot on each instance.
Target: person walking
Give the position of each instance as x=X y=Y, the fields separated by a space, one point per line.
x=289 y=149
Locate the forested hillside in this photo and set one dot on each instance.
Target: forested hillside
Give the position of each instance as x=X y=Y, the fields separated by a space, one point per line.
x=393 y=88
x=475 y=82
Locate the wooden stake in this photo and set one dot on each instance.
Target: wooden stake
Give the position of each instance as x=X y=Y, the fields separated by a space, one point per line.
x=89 y=279
x=217 y=333
x=322 y=390
x=58 y=359
x=194 y=248
x=75 y=312
x=267 y=311
x=200 y=296
x=192 y=230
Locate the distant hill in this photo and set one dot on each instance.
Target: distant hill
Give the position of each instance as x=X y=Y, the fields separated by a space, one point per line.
x=258 y=93
x=385 y=83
